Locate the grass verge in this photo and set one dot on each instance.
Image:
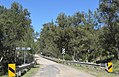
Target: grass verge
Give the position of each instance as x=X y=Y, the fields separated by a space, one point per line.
x=31 y=72
x=4 y=76
x=116 y=66
x=95 y=71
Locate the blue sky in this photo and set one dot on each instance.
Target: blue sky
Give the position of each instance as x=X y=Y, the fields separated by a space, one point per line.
x=43 y=11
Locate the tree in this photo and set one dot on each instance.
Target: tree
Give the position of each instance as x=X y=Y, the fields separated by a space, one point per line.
x=15 y=28
x=74 y=33
x=109 y=10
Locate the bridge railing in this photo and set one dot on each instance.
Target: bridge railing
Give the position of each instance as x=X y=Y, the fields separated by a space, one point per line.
x=75 y=62
x=23 y=68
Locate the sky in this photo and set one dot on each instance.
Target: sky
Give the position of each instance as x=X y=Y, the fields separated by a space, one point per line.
x=44 y=11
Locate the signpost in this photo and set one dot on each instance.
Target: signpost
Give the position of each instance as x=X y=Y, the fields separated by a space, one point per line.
x=63 y=53
x=23 y=49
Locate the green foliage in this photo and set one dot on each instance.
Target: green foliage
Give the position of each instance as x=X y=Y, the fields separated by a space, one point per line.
x=109 y=16
x=15 y=31
x=88 y=36
x=74 y=33
x=67 y=57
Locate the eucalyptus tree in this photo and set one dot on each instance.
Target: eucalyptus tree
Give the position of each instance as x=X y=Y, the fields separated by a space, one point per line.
x=15 y=28
x=109 y=16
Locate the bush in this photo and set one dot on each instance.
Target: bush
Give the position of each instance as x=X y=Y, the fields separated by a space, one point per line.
x=67 y=57
x=115 y=65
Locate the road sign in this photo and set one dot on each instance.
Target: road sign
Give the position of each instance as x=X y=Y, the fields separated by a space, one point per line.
x=23 y=48
x=63 y=51
x=110 y=67
x=28 y=48
x=11 y=70
x=18 y=48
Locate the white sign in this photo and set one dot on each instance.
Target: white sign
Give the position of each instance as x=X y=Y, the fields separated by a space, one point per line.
x=23 y=48
x=17 y=48
x=28 y=48
x=63 y=51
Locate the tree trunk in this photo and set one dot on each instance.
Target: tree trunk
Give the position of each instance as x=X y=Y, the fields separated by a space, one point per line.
x=118 y=54
x=73 y=57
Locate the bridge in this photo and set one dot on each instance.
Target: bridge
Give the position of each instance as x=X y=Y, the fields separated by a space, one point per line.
x=49 y=68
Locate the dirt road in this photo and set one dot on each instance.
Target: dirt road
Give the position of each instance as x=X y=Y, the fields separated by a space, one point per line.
x=52 y=69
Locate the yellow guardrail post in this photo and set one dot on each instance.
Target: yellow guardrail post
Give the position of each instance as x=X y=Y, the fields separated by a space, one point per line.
x=11 y=70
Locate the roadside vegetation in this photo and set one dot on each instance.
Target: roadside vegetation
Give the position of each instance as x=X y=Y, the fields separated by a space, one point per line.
x=4 y=76
x=32 y=71
x=91 y=36
x=15 y=31
x=95 y=71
